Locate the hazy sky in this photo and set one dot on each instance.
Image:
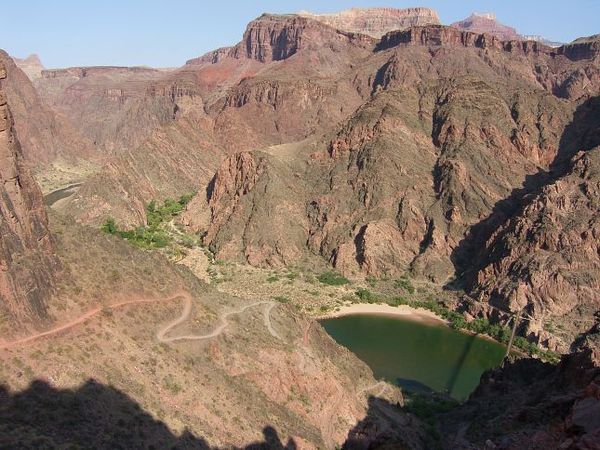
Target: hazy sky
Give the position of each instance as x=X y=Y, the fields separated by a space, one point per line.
x=166 y=33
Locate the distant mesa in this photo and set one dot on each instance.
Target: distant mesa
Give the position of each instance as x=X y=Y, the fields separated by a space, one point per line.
x=376 y=22
x=32 y=66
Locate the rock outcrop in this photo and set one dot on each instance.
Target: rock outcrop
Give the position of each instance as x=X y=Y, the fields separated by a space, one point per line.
x=114 y=108
x=27 y=263
x=582 y=48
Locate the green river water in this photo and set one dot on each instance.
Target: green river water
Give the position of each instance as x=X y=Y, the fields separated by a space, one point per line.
x=416 y=356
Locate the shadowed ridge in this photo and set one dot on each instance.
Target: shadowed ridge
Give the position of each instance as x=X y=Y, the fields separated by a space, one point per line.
x=95 y=416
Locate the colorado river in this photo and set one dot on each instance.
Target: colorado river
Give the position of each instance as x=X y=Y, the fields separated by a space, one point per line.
x=417 y=356
x=54 y=196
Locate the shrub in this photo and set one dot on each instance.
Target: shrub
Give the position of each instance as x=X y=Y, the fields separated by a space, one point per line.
x=332 y=279
x=110 y=226
x=372 y=281
x=185 y=199
x=365 y=295
x=405 y=284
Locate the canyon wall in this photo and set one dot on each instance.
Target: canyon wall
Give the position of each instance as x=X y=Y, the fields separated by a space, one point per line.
x=27 y=262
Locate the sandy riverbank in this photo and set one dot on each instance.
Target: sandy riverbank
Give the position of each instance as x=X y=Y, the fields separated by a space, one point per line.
x=404 y=311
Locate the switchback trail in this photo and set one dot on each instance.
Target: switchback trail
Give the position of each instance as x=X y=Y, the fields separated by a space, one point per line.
x=86 y=316
x=161 y=335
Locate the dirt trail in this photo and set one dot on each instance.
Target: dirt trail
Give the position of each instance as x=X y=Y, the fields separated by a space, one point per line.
x=383 y=385
x=161 y=335
x=85 y=317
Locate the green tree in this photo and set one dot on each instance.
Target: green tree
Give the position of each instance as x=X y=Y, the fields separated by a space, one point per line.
x=110 y=226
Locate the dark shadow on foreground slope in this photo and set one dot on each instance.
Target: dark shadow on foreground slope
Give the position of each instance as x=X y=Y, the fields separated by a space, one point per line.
x=94 y=416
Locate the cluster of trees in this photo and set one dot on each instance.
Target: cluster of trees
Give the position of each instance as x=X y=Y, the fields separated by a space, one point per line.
x=152 y=235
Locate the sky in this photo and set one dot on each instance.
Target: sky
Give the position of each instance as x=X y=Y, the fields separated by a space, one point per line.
x=166 y=33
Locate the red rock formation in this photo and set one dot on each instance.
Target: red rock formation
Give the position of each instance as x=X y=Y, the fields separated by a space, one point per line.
x=212 y=57
x=115 y=108
x=277 y=37
x=27 y=263
x=582 y=48
x=447 y=37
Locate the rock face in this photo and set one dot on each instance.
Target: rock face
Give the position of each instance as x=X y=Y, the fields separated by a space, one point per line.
x=487 y=23
x=582 y=48
x=376 y=22
x=277 y=37
x=114 y=108
x=27 y=264
x=212 y=57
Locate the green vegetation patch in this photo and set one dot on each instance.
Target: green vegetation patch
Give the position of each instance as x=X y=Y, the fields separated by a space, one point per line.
x=365 y=295
x=153 y=235
x=332 y=279
x=404 y=284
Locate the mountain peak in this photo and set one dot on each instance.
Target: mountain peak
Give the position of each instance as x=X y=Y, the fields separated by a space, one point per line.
x=487 y=23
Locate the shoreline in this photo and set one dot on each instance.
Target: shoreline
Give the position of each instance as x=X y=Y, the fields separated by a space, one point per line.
x=403 y=311
x=374 y=309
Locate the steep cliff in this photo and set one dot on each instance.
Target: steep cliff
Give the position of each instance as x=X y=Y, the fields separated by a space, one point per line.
x=27 y=262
